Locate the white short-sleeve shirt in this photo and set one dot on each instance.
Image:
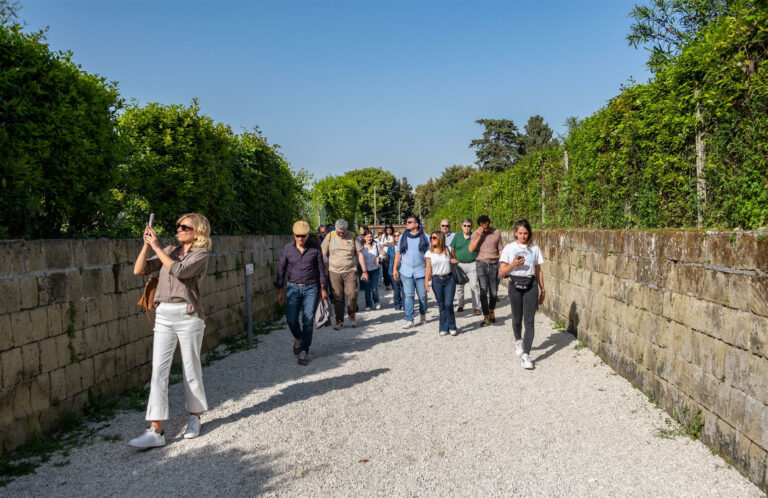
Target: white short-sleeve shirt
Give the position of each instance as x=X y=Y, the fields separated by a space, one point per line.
x=441 y=263
x=531 y=253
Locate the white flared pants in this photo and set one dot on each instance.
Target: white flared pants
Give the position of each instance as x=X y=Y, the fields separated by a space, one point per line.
x=172 y=325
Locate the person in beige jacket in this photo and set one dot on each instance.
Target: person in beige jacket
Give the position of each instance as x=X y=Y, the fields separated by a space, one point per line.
x=178 y=319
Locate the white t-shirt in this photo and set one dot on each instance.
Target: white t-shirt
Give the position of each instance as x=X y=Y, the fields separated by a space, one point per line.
x=370 y=255
x=532 y=255
x=441 y=263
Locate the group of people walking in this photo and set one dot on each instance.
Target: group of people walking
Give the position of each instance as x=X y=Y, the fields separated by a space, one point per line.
x=310 y=271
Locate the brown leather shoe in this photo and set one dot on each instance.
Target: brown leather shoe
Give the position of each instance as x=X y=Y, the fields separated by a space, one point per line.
x=486 y=321
x=492 y=316
x=478 y=312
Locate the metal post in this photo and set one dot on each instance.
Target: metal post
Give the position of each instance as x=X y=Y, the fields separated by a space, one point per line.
x=249 y=329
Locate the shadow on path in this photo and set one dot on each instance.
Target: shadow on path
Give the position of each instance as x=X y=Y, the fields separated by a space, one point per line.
x=554 y=343
x=298 y=392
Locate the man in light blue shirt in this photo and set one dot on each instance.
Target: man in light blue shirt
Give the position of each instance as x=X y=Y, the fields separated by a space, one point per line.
x=410 y=268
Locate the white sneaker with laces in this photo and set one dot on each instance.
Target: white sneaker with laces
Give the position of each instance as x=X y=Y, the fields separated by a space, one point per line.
x=519 y=348
x=193 y=428
x=526 y=362
x=452 y=332
x=408 y=325
x=150 y=439
x=378 y=306
x=443 y=333
x=367 y=308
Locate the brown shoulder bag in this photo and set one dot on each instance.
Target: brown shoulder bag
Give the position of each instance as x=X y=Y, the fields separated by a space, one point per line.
x=147 y=299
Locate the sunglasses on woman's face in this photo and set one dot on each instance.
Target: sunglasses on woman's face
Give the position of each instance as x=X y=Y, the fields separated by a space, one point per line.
x=183 y=228
x=433 y=238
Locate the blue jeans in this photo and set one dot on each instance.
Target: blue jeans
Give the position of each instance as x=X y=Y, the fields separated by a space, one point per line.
x=302 y=298
x=413 y=285
x=445 y=288
x=397 y=291
x=371 y=288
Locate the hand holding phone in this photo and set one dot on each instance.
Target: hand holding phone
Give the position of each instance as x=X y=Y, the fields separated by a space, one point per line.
x=151 y=219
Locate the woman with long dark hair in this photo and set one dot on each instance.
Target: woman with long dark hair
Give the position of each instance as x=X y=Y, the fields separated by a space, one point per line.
x=521 y=260
x=439 y=272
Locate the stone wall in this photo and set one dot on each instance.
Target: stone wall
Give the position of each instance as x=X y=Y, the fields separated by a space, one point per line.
x=683 y=315
x=69 y=322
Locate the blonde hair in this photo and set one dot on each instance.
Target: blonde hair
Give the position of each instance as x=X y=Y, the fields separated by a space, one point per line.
x=202 y=229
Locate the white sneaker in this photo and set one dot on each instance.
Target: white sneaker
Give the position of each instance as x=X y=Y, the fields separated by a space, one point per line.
x=378 y=306
x=408 y=325
x=443 y=333
x=526 y=362
x=352 y=323
x=422 y=319
x=367 y=308
x=193 y=428
x=338 y=326
x=519 y=348
x=453 y=332
x=150 y=439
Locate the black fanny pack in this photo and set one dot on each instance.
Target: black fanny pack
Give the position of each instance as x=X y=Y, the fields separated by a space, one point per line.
x=521 y=283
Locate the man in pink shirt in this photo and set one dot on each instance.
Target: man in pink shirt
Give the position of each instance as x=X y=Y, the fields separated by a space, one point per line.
x=486 y=241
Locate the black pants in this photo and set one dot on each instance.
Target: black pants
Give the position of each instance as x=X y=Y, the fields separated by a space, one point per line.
x=488 y=280
x=524 y=304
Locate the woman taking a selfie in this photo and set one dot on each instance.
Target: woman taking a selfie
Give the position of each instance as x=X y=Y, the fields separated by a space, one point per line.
x=179 y=318
x=522 y=260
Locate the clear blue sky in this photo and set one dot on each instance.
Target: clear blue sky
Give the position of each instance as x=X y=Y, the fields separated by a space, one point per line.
x=341 y=85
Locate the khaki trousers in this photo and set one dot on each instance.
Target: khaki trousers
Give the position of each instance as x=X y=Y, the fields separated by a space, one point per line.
x=344 y=284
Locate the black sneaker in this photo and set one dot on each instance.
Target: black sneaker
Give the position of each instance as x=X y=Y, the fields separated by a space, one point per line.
x=459 y=309
x=297 y=346
x=304 y=358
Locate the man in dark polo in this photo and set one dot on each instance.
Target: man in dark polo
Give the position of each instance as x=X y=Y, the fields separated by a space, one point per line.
x=299 y=276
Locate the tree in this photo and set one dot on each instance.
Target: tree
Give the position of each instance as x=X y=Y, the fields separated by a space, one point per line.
x=425 y=198
x=337 y=197
x=453 y=175
x=58 y=146
x=406 y=200
x=499 y=148
x=666 y=25
x=538 y=135
x=387 y=189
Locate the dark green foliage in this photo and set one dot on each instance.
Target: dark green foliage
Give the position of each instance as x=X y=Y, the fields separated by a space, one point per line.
x=58 y=146
x=499 y=148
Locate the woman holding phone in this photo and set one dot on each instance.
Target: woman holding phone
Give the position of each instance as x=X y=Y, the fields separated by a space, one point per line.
x=521 y=261
x=178 y=319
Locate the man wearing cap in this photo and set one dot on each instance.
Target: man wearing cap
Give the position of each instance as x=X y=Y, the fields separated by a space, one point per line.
x=300 y=273
x=344 y=253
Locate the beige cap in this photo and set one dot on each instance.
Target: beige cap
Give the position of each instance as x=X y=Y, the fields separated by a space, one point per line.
x=301 y=227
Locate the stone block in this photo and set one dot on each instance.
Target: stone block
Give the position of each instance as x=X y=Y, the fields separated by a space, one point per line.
x=62 y=350
x=33 y=256
x=93 y=282
x=106 y=305
x=92 y=312
x=49 y=357
x=74 y=382
x=751 y=415
x=756 y=470
x=120 y=362
x=757 y=296
x=102 y=334
x=58 y=254
x=38 y=324
x=97 y=252
x=53 y=288
x=58 y=384
x=713 y=286
x=757 y=379
x=6 y=333
x=28 y=291
x=53 y=318
x=737 y=368
x=74 y=285
x=104 y=366
x=11 y=366
x=20 y=324
x=758 y=335
x=21 y=406
x=91 y=338
x=11 y=293
x=30 y=361
x=112 y=330
x=40 y=393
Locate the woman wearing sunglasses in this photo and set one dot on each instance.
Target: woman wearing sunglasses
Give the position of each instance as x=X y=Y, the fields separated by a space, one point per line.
x=179 y=318
x=439 y=272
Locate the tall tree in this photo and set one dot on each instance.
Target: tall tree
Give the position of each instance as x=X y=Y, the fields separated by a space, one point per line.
x=453 y=175
x=665 y=26
x=538 y=135
x=499 y=148
x=406 y=200
x=386 y=188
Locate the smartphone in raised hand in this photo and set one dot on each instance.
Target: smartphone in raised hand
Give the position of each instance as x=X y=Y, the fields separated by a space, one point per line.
x=151 y=219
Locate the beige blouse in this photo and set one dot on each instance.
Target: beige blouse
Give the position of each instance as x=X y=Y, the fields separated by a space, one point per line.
x=180 y=283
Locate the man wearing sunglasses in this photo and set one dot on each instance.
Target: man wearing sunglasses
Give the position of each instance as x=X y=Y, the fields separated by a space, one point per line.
x=410 y=268
x=445 y=227
x=300 y=273
x=466 y=260
x=344 y=253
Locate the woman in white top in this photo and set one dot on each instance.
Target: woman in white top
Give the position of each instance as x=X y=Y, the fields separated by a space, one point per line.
x=521 y=261
x=386 y=239
x=372 y=255
x=439 y=272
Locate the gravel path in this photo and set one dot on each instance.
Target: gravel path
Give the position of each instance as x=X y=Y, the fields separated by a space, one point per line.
x=382 y=411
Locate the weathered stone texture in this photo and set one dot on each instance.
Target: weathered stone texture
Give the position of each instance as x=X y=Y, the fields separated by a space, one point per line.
x=682 y=314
